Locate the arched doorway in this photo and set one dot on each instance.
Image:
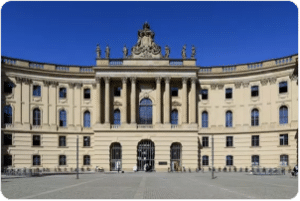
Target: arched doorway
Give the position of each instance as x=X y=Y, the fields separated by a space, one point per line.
x=145 y=155
x=115 y=156
x=175 y=156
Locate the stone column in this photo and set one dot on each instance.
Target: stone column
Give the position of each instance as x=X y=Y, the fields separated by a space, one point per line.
x=107 y=95
x=184 y=100
x=133 y=100
x=192 y=108
x=158 y=100
x=26 y=96
x=98 y=100
x=124 y=99
x=46 y=101
x=77 y=106
x=18 y=94
x=71 y=111
x=167 y=101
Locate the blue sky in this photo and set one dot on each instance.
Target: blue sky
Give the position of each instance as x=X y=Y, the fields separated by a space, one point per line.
x=224 y=33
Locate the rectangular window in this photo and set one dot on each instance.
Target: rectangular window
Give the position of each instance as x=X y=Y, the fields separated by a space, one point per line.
x=228 y=93
x=205 y=142
x=62 y=92
x=205 y=160
x=284 y=139
x=229 y=141
x=204 y=94
x=36 y=90
x=174 y=91
x=254 y=91
x=87 y=93
x=283 y=87
x=36 y=140
x=62 y=141
x=62 y=160
x=255 y=140
x=86 y=160
x=36 y=160
x=7 y=160
x=255 y=160
x=8 y=87
x=284 y=160
x=117 y=91
x=86 y=141
x=7 y=139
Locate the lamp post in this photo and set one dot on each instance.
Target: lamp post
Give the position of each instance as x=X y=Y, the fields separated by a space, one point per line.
x=212 y=156
x=77 y=150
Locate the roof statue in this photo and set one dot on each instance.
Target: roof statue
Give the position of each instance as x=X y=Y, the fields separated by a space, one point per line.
x=107 y=52
x=167 y=51
x=98 y=51
x=193 y=52
x=125 y=51
x=146 y=47
x=183 y=52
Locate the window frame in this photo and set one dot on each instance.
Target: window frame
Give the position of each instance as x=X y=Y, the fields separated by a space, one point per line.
x=204 y=96
x=283 y=89
x=63 y=123
x=84 y=159
x=33 y=160
x=36 y=90
x=229 y=143
x=284 y=139
x=87 y=119
x=204 y=122
x=6 y=140
x=229 y=160
x=34 y=141
x=62 y=92
x=174 y=117
x=228 y=93
x=117 y=117
x=205 y=160
x=6 y=85
x=255 y=117
x=7 y=115
x=255 y=141
x=254 y=93
x=174 y=91
x=84 y=141
x=282 y=156
x=36 y=117
x=62 y=143
x=283 y=115
x=117 y=91
x=205 y=141
x=228 y=119
x=86 y=93
x=253 y=161
x=62 y=160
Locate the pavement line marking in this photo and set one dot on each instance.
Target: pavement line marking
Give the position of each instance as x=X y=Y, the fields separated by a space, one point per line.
x=265 y=183
x=58 y=189
x=140 y=190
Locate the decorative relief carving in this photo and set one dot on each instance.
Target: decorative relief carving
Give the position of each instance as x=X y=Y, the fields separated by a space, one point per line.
x=133 y=79
x=213 y=86
x=98 y=79
x=124 y=80
x=158 y=80
x=293 y=77
x=46 y=83
x=78 y=85
x=184 y=80
x=272 y=80
x=117 y=103
x=264 y=82
x=175 y=103
x=237 y=85
x=71 y=85
x=24 y=80
x=94 y=85
x=220 y=86
x=167 y=79
x=245 y=84
x=194 y=80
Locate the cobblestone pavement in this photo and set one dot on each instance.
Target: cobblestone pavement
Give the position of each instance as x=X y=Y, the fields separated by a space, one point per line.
x=151 y=185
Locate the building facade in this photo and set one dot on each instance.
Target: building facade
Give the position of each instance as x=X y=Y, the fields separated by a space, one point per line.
x=148 y=110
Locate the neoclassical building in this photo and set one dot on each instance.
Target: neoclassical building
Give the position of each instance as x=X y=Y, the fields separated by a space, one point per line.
x=149 y=109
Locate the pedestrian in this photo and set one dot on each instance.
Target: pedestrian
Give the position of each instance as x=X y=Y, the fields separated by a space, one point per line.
x=118 y=166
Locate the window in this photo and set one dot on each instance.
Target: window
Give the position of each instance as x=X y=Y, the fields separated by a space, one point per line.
x=7 y=160
x=204 y=94
x=36 y=140
x=86 y=141
x=255 y=140
x=86 y=160
x=228 y=93
x=7 y=114
x=7 y=139
x=283 y=115
x=284 y=139
x=87 y=94
x=284 y=160
x=117 y=91
x=254 y=91
x=174 y=117
x=205 y=142
x=36 y=90
x=8 y=86
x=36 y=160
x=228 y=119
x=63 y=118
x=255 y=160
x=174 y=91
x=62 y=92
x=205 y=160
x=62 y=160
x=36 y=117
x=117 y=117
x=62 y=141
x=204 y=119
x=87 y=119
x=254 y=117
x=229 y=160
x=145 y=111
x=229 y=141
x=283 y=87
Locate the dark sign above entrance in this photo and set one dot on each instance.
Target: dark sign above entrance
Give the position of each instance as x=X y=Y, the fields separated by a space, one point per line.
x=162 y=163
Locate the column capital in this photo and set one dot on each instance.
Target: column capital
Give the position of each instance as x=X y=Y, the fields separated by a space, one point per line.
x=194 y=80
x=98 y=79
x=167 y=79
x=106 y=79
x=158 y=79
x=124 y=80
x=184 y=80
x=133 y=79
x=78 y=85
x=46 y=83
x=272 y=80
x=71 y=85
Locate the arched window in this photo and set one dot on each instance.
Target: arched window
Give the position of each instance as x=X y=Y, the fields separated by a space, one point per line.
x=62 y=118
x=228 y=119
x=174 y=117
x=205 y=160
x=36 y=117
x=7 y=114
x=115 y=156
x=229 y=160
x=255 y=160
x=145 y=111
x=204 y=119
x=283 y=115
x=175 y=156
x=254 y=117
x=117 y=116
x=87 y=119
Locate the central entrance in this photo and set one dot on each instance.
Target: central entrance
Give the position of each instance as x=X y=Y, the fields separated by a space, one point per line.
x=145 y=155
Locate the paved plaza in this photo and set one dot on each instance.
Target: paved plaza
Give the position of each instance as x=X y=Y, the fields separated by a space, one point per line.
x=143 y=185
